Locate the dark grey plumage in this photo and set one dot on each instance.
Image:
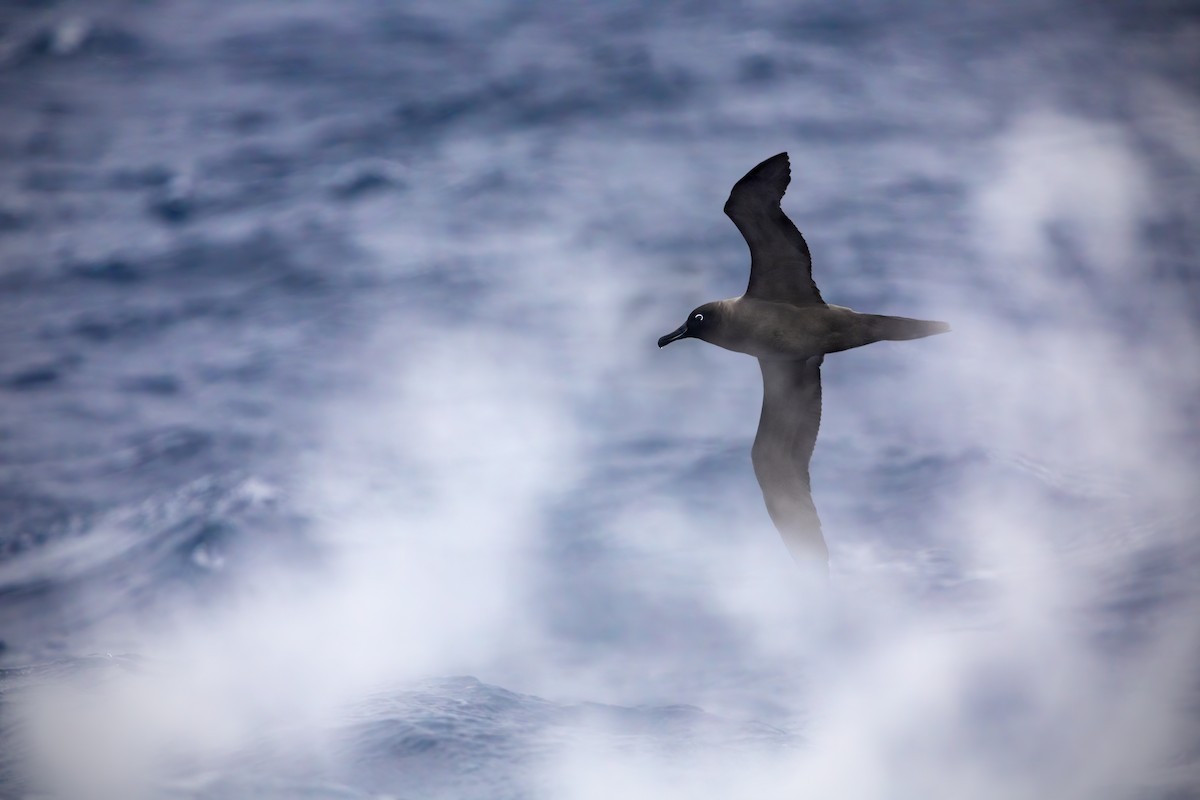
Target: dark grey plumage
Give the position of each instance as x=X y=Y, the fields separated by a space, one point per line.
x=780 y=264
x=783 y=447
x=784 y=322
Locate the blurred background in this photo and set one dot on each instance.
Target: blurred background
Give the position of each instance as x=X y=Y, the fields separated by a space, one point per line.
x=337 y=458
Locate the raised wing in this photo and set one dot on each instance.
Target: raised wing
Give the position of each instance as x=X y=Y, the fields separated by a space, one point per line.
x=787 y=432
x=780 y=264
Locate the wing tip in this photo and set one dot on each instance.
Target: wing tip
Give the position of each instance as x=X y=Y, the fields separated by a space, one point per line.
x=777 y=160
x=775 y=172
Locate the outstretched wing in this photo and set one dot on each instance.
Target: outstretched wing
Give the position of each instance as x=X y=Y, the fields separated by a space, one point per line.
x=780 y=264
x=787 y=432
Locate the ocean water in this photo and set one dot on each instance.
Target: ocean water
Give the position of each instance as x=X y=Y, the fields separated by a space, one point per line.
x=337 y=458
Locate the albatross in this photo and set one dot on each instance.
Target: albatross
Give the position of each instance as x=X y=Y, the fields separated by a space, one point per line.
x=783 y=321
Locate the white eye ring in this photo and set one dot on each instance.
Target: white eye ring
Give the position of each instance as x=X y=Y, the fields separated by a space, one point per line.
x=699 y=317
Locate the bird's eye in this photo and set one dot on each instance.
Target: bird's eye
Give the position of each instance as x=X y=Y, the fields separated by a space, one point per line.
x=699 y=318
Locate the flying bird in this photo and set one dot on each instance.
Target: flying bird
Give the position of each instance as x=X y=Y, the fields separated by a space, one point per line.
x=783 y=321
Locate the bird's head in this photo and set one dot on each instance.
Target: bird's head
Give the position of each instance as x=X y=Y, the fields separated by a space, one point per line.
x=702 y=323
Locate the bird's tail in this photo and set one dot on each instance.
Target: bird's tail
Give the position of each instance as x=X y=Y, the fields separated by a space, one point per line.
x=895 y=329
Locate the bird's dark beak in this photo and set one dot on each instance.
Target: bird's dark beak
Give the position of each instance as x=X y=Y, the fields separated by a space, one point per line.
x=678 y=333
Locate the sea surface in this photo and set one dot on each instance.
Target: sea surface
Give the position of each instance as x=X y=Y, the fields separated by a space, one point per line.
x=337 y=459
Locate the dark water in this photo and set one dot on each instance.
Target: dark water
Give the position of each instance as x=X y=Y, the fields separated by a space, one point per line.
x=327 y=371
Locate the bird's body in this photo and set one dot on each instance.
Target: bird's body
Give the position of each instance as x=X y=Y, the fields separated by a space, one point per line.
x=783 y=321
x=765 y=329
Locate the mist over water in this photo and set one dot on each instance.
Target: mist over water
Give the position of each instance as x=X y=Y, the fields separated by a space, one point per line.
x=337 y=458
